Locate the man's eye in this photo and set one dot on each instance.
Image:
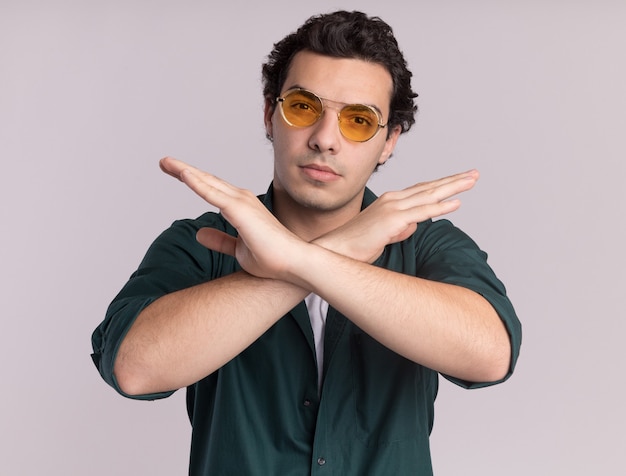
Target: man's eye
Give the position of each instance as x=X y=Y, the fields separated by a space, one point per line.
x=303 y=107
x=363 y=121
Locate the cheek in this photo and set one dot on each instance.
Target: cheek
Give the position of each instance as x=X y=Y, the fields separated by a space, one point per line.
x=289 y=142
x=280 y=150
x=375 y=156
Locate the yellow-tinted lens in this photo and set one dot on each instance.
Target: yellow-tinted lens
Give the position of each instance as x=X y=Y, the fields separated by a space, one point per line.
x=358 y=122
x=301 y=108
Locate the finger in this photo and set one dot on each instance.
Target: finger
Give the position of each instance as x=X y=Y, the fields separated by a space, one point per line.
x=217 y=240
x=209 y=187
x=423 y=213
x=173 y=167
x=470 y=176
x=428 y=211
x=438 y=191
x=404 y=234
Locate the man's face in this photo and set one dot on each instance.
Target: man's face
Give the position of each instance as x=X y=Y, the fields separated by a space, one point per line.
x=316 y=167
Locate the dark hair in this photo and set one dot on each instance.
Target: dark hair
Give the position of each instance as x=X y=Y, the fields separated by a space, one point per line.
x=345 y=34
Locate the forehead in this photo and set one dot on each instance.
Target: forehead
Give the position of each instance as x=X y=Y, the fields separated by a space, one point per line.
x=346 y=80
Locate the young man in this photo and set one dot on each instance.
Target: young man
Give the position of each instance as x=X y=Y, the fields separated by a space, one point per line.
x=309 y=325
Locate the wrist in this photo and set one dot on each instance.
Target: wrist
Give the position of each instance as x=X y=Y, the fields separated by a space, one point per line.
x=355 y=248
x=305 y=264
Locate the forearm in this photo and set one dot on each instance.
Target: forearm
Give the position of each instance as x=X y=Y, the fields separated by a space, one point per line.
x=186 y=335
x=448 y=328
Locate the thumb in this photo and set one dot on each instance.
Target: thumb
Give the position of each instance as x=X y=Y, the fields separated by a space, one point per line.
x=403 y=235
x=217 y=240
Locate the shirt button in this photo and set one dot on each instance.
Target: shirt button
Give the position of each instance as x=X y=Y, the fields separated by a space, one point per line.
x=321 y=461
x=307 y=403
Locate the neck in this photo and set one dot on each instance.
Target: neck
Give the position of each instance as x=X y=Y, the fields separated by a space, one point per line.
x=309 y=223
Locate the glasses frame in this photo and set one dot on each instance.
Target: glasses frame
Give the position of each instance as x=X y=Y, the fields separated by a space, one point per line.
x=281 y=99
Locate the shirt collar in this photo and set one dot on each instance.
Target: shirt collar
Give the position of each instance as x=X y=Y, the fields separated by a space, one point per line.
x=368 y=198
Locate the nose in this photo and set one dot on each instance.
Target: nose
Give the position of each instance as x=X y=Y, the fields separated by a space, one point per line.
x=325 y=133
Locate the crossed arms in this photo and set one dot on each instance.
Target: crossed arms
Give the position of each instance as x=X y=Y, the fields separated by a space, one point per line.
x=184 y=336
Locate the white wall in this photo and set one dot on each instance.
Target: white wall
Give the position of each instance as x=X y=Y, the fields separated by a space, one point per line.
x=92 y=94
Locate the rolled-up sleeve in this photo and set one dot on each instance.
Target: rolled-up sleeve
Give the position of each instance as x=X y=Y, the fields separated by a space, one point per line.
x=447 y=254
x=174 y=261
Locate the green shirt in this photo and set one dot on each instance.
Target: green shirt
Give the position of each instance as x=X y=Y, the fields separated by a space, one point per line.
x=262 y=413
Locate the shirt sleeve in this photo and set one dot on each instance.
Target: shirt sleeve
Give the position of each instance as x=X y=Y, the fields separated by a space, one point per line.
x=174 y=261
x=447 y=254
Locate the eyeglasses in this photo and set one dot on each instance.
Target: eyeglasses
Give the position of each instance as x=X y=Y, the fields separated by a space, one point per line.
x=302 y=108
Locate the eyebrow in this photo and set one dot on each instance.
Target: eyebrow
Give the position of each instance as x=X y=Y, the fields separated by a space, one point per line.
x=297 y=86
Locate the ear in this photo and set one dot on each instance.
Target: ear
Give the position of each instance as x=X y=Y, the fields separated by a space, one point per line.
x=390 y=145
x=267 y=118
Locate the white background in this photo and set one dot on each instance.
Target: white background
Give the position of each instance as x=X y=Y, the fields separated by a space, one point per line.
x=92 y=94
